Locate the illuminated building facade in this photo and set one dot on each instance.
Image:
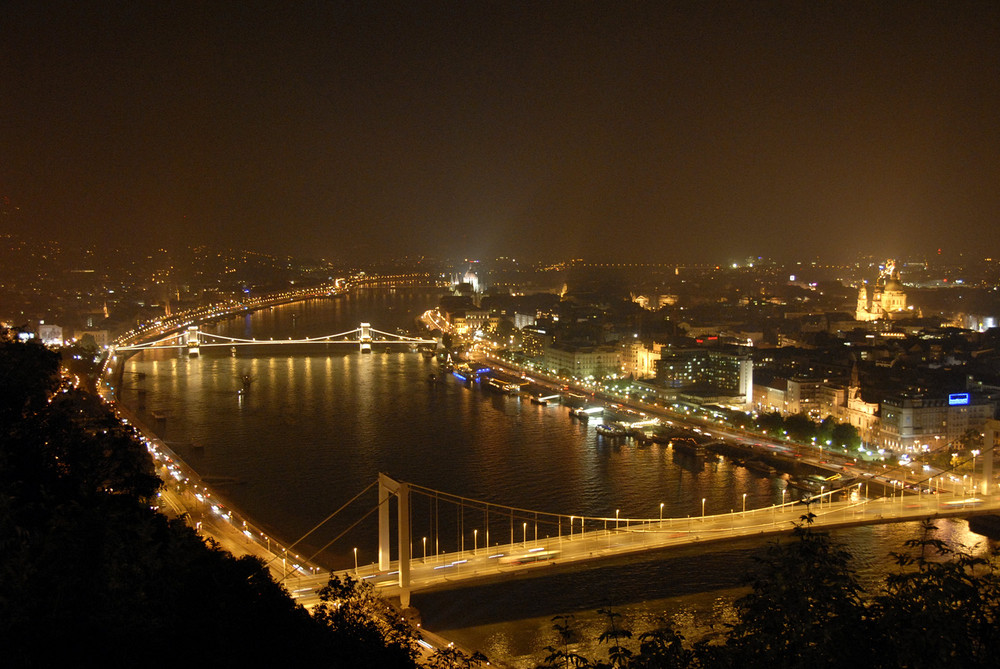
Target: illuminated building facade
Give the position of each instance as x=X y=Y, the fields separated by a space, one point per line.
x=51 y=335
x=583 y=361
x=857 y=411
x=885 y=299
x=534 y=339
x=913 y=422
x=639 y=359
x=707 y=371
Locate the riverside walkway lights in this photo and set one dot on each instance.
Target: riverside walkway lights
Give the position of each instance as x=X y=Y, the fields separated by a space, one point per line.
x=703 y=509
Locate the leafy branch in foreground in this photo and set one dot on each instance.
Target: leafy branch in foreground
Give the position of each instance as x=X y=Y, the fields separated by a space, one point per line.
x=941 y=608
x=805 y=600
x=371 y=629
x=563 y=656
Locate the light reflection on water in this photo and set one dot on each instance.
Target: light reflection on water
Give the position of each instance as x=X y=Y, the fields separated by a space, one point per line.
x=318 y=424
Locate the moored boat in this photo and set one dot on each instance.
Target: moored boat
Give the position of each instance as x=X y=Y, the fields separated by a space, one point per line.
x=611 y=430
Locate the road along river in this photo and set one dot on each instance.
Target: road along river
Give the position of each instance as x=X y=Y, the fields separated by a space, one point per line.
x=292 y=433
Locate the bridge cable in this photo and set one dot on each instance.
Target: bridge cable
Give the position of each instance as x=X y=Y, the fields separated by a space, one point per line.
x=353 y=525
x=345 y=505
x=550 y=519
x=521 y=512
x=460 y=500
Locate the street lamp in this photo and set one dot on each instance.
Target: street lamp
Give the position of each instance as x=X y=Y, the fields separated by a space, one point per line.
x=355 y=561
x=525 y=527
x=616 y=519
x=661 y=513
x=744 y=504
x=475 y=541
x=425 y=550
x=703 y=508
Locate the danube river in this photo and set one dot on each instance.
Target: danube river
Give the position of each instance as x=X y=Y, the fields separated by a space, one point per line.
x=312 y=426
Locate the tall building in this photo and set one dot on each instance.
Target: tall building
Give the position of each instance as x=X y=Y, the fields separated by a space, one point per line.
x=708 y=372
x=884 y=299
x=534 y=339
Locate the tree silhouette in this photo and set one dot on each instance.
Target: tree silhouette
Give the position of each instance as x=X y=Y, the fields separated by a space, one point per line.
x=805 y=600
x=563 y=656
x=369 y=631
x=91 y=574
x=941 y=608
x=615 y=635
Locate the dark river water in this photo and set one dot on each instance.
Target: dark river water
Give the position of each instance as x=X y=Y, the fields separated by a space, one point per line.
x=317 y=424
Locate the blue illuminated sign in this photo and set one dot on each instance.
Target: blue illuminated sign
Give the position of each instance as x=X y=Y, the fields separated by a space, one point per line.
x=957 y=399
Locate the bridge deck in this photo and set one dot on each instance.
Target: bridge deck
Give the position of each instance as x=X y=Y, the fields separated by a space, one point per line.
x=530 y=558
x=193 y=338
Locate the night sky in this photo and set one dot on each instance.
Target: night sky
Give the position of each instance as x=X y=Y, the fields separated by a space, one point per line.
x=660 y=131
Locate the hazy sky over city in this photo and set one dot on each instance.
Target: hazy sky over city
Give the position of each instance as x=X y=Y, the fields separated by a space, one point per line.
x=653 y=131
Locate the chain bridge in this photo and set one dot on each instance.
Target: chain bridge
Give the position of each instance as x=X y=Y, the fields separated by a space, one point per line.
x=194 y=339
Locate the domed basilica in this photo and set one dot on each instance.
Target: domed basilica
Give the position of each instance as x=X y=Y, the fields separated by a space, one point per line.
x=885 y=299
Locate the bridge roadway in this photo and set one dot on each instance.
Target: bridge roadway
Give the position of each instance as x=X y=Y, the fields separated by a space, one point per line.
x=532 y=558
x=194 y=339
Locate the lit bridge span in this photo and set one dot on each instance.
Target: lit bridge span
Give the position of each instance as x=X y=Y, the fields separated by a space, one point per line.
x=194 y=339
x=487 y=542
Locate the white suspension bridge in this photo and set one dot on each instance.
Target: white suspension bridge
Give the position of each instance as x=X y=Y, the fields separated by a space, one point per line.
x=194 y=339
x=487 y=541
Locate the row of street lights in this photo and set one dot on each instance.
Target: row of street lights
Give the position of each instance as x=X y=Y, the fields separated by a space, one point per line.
x=617 y=520
x=524 y=528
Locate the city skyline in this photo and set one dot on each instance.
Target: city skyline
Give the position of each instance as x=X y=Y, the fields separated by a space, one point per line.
x=688 y=132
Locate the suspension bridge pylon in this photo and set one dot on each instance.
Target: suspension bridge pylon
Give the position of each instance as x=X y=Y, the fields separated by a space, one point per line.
x=365 y=337
x=192 y=339
x=388 y=487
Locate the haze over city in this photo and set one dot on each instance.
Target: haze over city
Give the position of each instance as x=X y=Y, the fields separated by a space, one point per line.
x=462 y=334
x=640 y=132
